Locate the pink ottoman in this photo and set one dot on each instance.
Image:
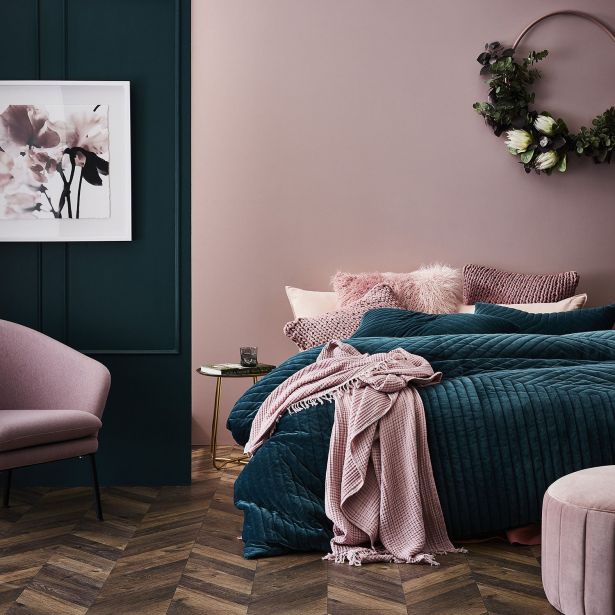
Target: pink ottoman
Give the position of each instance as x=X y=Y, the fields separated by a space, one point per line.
x=578 y=542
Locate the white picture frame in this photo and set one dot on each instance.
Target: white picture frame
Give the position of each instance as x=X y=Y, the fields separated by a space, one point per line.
x=116 y=225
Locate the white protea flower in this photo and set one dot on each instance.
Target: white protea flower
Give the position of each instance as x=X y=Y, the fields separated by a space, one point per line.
x=545 y=161
x=545 y=124
x=518 y=140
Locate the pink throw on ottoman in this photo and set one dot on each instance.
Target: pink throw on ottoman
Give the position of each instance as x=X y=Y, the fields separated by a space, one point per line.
x=578 y=542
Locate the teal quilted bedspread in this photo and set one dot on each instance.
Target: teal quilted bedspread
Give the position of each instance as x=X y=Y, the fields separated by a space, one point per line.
x=512 y=414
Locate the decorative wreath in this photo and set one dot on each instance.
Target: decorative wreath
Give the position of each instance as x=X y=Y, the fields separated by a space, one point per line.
x=540 y=142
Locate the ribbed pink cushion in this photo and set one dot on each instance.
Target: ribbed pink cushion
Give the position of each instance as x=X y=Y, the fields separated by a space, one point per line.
x=24 y=428
x=489 y=285
x=578 y=542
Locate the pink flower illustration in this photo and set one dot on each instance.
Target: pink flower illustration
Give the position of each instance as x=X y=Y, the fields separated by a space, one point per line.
x=6 y=170
x=20 y=193
x=27 y=126
x=20 y=204
x=89 y=132
x=85 y=130
x=43 y=163
x=37 y=154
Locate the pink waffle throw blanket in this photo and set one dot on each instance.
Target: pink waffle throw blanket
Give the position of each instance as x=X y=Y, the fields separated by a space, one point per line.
x=380 y=491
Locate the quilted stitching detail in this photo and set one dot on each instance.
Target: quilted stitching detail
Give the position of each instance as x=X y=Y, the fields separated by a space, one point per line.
x=389 y=322
x=513 y=413
x=553 y=323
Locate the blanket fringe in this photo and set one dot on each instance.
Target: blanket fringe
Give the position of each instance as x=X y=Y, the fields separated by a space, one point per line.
x=357 y=555
x=319 y=400
x=330 y=394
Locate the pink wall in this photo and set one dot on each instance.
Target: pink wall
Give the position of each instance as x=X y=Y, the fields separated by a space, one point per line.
x=339 y=134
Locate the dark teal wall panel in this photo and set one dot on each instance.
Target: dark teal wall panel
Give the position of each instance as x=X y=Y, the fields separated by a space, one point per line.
x=53 y=284
x=125 y=303
x=52 y=38
x=52 y=63
x=19 y=40
x=144 y=49
x=19 y=284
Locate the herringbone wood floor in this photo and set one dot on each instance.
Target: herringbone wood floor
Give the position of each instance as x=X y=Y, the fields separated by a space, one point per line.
x=176 y=550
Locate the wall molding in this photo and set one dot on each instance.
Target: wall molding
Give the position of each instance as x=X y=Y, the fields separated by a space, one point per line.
x=53 y=304
x=177 y=190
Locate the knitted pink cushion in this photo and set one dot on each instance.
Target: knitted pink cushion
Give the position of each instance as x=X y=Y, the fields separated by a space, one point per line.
x=489 y=285
x=435 y=289
x=310 y=332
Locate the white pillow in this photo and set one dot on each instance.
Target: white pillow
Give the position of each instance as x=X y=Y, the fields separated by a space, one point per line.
x=565 y=305
x=310 y=303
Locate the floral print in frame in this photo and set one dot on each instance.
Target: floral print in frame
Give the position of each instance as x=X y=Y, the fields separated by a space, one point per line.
x=54 y=162
x=65 y=161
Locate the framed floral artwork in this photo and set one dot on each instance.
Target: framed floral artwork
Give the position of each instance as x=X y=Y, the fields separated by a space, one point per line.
x=65 y=161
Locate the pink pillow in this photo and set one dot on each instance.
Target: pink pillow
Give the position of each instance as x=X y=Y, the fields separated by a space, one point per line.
x=310 y=303
x=310 y=332
x=434 y=289
x=565 y=305
x=489 y=285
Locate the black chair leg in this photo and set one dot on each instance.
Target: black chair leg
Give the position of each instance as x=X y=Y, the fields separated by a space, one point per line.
x=7 y=489
x=99 y=513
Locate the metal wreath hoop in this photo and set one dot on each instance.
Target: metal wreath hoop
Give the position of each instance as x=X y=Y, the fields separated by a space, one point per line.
x=604 y=27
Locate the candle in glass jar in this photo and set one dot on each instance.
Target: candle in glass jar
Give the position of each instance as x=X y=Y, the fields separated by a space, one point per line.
x=249 y=356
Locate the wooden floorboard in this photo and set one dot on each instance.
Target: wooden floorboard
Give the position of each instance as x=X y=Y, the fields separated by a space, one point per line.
x=365 y=590
x=177 y=550
x=449 y=588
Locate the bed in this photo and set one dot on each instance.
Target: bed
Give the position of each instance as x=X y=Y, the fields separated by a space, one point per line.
x=513 y=413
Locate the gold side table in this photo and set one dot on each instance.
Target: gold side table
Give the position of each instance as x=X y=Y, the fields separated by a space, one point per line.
x=221 y=462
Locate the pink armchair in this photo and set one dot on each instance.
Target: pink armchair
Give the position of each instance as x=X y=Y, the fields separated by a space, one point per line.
x=51 y=403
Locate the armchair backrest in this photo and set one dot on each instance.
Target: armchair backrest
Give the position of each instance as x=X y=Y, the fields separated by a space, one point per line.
x=38 y=372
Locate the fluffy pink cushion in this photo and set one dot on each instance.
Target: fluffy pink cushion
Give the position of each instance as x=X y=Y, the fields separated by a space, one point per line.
x=490 y=285
x=309 y=332
x=435 y=289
